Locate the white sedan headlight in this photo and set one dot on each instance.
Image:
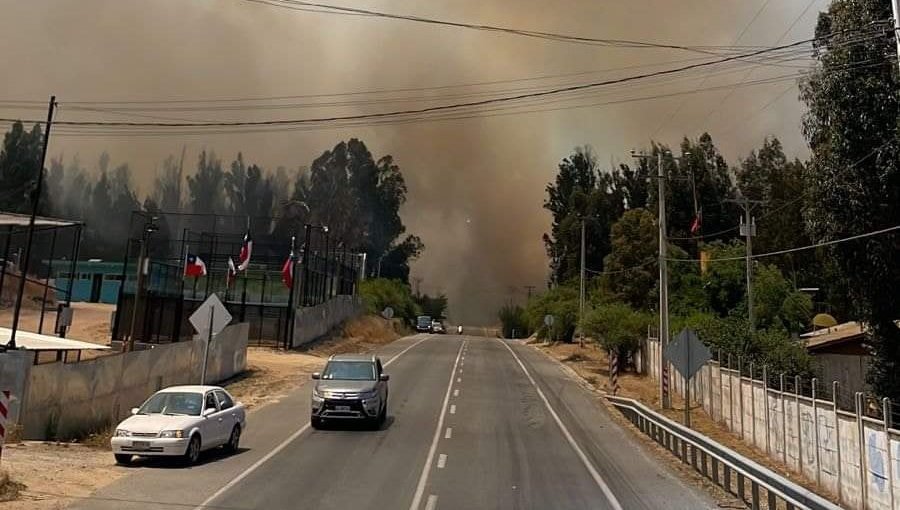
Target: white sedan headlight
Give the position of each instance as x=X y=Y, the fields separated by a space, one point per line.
x=122 y=433
x=172 y=434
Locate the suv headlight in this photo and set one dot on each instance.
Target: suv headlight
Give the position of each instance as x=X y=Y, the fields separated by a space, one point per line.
x=366 y=395
x=172 y=434
x=122 y=433
x=318 y=395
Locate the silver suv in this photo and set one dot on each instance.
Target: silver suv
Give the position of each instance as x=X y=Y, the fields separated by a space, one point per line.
x=351 y=387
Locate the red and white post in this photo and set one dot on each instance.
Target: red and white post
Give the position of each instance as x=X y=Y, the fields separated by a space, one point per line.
x=4 y=413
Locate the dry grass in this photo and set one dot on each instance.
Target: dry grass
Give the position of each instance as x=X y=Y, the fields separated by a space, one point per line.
x=592 y=365
x=9 y=488
x=359 y=335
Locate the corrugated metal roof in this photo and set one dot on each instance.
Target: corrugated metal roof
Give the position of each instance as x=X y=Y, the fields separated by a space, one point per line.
x=36 y=342
x=836 y=334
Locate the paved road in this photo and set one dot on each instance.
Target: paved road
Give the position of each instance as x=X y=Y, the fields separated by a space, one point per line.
x=474 y=423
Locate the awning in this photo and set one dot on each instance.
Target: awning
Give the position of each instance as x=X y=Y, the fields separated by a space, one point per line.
x=22 y=220
x=36 y=342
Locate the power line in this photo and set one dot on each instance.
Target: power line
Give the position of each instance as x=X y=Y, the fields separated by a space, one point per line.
x=791 y=250
x=616 y=43
x=439 y=108
x=620 y=271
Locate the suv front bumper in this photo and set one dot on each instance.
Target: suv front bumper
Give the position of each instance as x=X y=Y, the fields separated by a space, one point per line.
x=346 y=409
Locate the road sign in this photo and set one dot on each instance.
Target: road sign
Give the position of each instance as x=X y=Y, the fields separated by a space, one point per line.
x=548 y=320
x=213 y=309
x=687 y=353
x=388 y=313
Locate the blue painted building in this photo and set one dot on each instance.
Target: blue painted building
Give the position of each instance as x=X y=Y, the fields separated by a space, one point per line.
x=94 y=280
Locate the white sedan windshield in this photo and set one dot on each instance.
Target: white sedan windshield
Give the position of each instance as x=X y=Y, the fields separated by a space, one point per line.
x=173 y=403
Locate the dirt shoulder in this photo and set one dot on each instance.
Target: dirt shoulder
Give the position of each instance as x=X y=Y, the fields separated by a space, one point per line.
x=50 y=475
x=592 y=365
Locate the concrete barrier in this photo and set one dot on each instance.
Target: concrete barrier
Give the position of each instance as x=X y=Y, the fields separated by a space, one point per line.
x=313 y=322
x=70 y=400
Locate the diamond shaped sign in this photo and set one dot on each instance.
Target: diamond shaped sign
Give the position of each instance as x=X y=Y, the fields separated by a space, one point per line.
x=687 y=353
x=213 y=309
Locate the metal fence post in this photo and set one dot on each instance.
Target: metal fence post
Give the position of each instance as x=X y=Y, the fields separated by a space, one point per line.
x=783 y=420
x=837 y=438
x=799 y=431
x=730 y=394
x=765 y=376
x=815 y=384
x=886 y=410
x=863 y=472
x=709 y=385
x=741 y=393
x=752 y=406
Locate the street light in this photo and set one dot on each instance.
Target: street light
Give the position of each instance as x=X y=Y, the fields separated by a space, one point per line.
x=304 y=289
x=142 y=268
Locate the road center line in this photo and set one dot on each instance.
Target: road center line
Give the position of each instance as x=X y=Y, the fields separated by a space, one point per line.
x=614 y=503
x=455 y=393
x=256 y=465
x=442 y=460
x=449 y=433
x=453 y=409
x=423 y=478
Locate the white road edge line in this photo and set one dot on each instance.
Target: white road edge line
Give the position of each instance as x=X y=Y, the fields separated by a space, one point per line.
x=431 y=504
x=256 y=465
x=449 y=433
x=442 y=460
x=581 y=455
x=423 y=478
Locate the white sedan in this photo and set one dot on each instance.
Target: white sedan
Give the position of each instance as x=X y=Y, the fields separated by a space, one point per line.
x=181 y=421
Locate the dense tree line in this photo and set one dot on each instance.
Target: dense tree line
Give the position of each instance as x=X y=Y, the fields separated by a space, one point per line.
x=346 y=188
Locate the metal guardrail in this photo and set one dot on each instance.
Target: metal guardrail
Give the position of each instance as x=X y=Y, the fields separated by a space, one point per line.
x=723 y=466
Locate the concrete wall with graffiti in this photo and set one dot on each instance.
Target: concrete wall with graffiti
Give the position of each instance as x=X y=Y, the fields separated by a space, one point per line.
x=851 y=452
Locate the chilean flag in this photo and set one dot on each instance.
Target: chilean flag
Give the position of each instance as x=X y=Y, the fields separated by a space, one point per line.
x=246 y=249
x=287 y=272
x=194 y=266
x=697 y=223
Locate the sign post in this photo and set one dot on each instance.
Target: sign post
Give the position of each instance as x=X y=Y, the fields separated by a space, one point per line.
x=209 y=319
x=688 y=355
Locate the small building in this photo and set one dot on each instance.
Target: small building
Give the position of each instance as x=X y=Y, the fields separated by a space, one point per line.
x=95 y=281
x=841 y=354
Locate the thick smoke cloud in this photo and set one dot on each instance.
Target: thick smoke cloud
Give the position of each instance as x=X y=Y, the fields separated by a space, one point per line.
x=475 y=185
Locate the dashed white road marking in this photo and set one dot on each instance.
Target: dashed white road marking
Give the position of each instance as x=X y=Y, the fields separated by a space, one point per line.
x=244 y=474
x=459 y=379
x=455 y=393
x=613 y=501
x=449 y=433
x=442 y=460
x=453 y=409
x=431 y=504
x=426 y=469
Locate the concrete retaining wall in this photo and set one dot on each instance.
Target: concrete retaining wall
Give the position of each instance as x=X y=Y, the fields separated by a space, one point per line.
x=70 y=400
x=313 y=322
x=842 y=450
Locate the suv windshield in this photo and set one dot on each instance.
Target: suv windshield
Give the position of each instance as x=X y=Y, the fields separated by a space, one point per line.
x=173 y=403
x=350 y=371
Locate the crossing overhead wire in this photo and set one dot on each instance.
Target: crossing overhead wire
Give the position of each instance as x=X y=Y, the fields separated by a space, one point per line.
x=431 y=109
x=552 y=36
x=621 y=271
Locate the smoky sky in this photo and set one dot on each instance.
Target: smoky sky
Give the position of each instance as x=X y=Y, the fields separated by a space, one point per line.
x=476 y=185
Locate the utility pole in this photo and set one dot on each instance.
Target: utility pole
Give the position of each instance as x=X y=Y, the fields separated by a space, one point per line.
x=530 y=289
x=35 y=204
x=748 y=230
x=896 y=5
x=581 y=293
x=142 y=269
x=663 y=277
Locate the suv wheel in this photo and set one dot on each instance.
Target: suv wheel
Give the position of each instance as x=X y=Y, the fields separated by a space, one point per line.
x=316 y=422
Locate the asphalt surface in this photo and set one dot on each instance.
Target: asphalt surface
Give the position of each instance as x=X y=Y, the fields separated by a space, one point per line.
x=473 y=423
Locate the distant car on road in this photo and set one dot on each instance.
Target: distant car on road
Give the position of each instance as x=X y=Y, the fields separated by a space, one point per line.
x=437 y=327
x=351 y=387
x=181 y=421
x=423 y=324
